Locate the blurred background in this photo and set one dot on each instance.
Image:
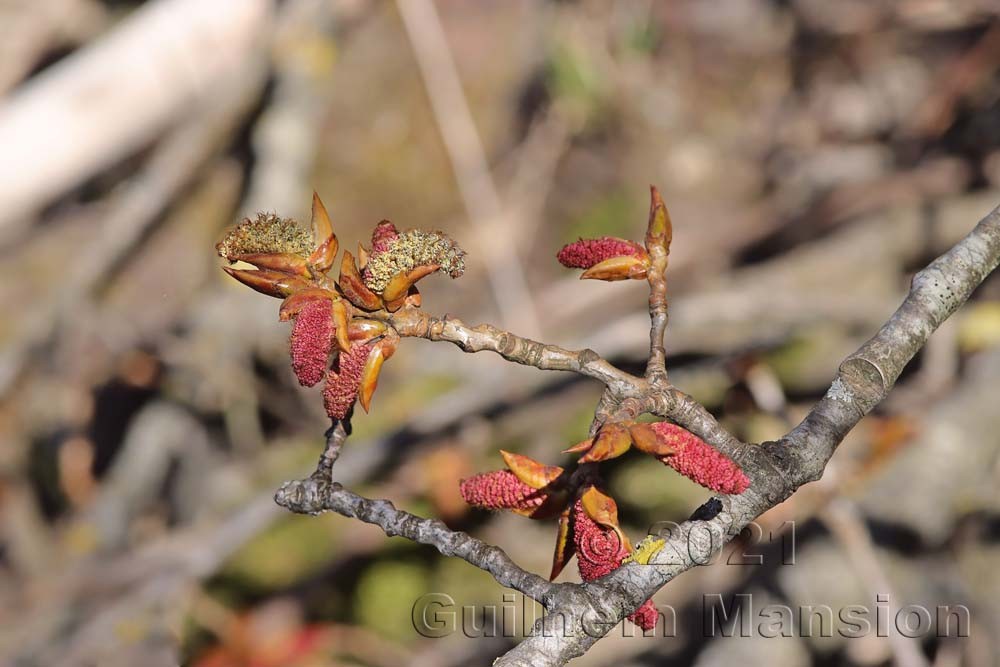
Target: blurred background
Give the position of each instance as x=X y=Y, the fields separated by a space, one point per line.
x=813 y=156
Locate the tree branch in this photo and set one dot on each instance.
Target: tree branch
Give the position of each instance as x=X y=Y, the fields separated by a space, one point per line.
x=678 y=406
x=319 y=493
x=866 y=376
x=655 y=396
x=579 y=615
x=776 y=469
x=418 y=324
x=314 y=495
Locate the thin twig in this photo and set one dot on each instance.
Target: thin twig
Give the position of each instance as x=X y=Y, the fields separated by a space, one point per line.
x=580 y=615
x=315 y=495
x=842 y=518
x=777 y=469
x=417 y=324
x=658 y=238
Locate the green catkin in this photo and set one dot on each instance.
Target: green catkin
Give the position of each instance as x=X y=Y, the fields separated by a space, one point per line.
x=267 y=233
x=412 y=249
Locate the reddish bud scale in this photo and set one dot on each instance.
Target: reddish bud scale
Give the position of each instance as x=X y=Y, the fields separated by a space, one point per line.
x=312 y=337
x=699 y=461
x=585 y=253
x=342 y=384
x=599 y=551
x=499 y=490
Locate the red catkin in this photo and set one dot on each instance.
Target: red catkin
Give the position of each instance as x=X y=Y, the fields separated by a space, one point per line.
x=600 y=551
x=312 y=336
x=645 y=616
x=499 y=490
x=585 y=253
x=699 y=461
x=342 y=383
x=383 y=235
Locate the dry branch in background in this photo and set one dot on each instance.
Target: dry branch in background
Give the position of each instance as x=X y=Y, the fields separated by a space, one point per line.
x=360 y=318
x=113 y=97
x=468 y=160
x=808 y=212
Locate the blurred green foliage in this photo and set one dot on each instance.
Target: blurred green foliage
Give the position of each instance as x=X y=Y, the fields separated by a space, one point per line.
x=612 y=215
x=386 y=594
x=653 y=491
x=291 y=550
